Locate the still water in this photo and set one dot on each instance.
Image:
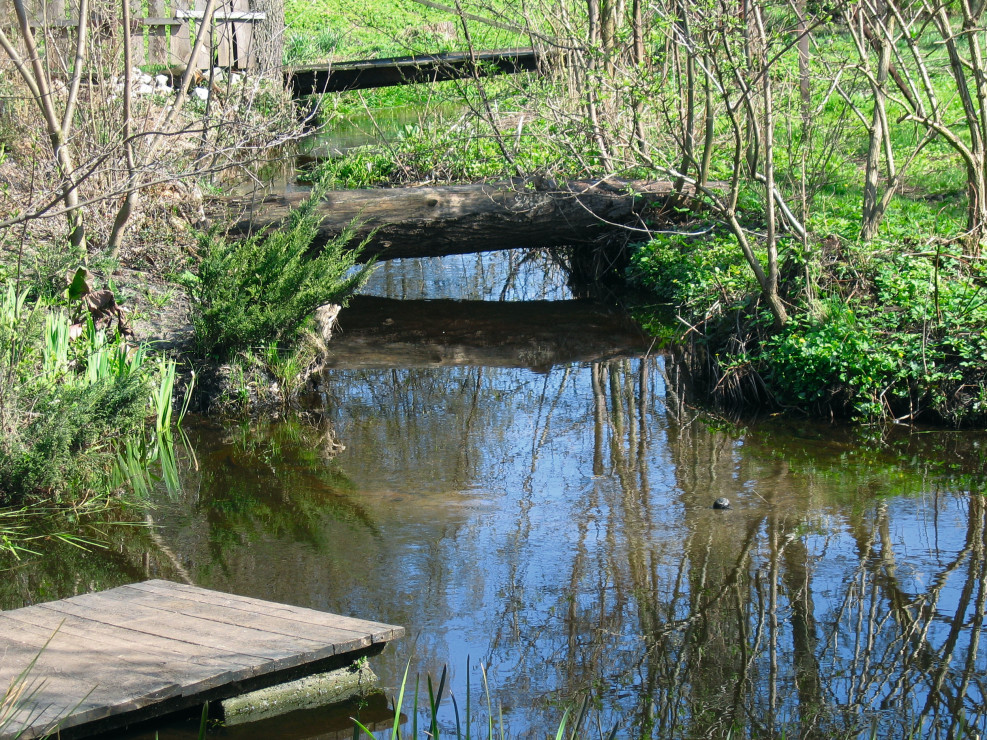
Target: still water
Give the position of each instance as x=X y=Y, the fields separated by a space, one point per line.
x=532 y=502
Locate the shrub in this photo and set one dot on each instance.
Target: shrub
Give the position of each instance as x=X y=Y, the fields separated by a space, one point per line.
x=66 y=404
x=264 y=288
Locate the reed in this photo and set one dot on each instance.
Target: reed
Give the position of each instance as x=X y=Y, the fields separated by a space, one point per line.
x=571 y=726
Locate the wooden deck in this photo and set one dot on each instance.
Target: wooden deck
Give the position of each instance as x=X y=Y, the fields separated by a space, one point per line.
x=362 y=75
x=140 y=651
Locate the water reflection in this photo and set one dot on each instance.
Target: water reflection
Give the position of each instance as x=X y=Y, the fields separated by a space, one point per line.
x=556 y=526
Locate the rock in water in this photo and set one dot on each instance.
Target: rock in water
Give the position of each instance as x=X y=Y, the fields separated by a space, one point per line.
x=721 y=503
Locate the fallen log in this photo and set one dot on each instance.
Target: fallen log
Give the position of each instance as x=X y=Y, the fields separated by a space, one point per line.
x=463 y=219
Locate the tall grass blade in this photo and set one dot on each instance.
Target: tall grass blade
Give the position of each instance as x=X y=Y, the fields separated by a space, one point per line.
x=163 y=396
x=396 y=706
x=455 y=709
x=414 y=710
x=203 y=721
x=187 y=400
x=434 y=700
x=560 y=733
x=490 y=714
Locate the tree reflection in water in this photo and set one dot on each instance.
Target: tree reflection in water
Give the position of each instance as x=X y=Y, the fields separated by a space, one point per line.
x=557 y=527
x=768 y=618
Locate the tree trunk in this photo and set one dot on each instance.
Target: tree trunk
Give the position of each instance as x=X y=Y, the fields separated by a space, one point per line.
x=269 y=35
x=462 y=219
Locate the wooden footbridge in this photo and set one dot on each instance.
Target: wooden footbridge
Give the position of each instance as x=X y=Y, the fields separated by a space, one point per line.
x=97 y=661
x=362 y=75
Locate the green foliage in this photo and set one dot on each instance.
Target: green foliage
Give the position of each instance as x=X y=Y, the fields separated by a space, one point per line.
x=69 y=395
x=693 y=272
x=262 y=289
x=307 y=46
x=891 y=335
x=917 y=342
x=471 y=723
x=440 y=151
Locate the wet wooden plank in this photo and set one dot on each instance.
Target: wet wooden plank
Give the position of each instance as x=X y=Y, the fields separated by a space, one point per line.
x=116 y=656
x=70 y=681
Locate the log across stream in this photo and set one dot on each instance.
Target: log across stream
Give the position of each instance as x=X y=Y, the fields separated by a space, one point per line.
x=463 y=219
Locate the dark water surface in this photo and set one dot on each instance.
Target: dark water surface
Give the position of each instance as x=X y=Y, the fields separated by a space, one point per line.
x=547 y=523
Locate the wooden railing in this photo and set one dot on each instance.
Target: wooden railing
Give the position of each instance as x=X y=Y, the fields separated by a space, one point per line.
x=162 y=31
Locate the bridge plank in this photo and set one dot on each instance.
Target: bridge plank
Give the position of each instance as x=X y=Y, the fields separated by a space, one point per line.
x=371 y=73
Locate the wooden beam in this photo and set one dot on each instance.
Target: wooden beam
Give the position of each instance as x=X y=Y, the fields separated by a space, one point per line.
x=361 y=75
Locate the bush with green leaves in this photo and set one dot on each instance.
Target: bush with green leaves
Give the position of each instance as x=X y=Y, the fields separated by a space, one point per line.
x=70 y=396
x=250 y=292
x=886 y=335
x=693 y=271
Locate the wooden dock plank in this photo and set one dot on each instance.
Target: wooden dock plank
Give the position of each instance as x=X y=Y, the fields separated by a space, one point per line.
x=382 y=632
x=69 y=676
x=112 y=638
x=189 y=665
x=141 y=619
x=129 y=653
x=347 y=639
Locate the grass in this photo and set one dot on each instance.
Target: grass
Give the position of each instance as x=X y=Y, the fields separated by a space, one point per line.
x=384 y=29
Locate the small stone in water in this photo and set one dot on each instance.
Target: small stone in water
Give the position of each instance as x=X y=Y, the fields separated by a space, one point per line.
x=721 y=503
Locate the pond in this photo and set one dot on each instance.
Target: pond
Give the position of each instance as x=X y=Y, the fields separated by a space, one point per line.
x=532 y=500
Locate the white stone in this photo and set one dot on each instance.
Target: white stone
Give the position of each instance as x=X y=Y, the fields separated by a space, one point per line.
x=218 y=75
x=201 y=93
x=161 y=81
x=144 y=89
x=236 y=79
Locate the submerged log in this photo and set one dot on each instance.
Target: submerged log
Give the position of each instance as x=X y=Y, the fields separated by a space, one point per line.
x=463 y=219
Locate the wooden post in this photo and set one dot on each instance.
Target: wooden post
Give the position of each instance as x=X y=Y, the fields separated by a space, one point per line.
x=157 y=35
x=138 y=49
x=180 y=38
x=242 y=37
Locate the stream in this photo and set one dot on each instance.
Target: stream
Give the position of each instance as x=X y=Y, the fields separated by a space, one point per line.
x=513 y=476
